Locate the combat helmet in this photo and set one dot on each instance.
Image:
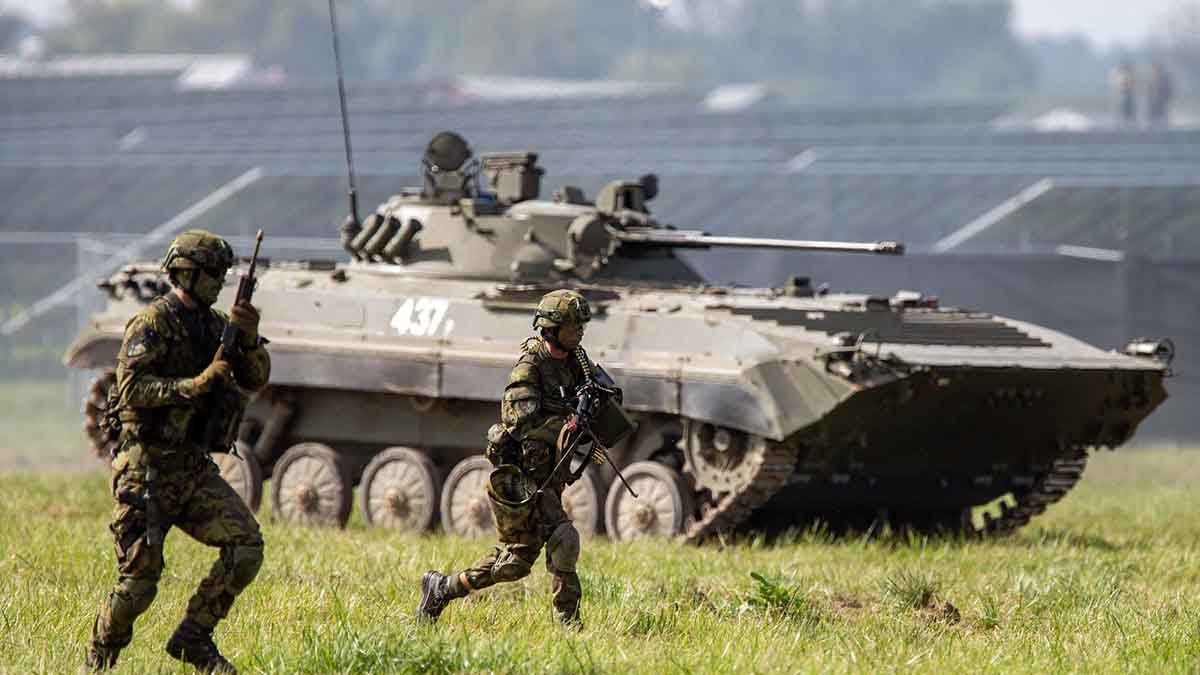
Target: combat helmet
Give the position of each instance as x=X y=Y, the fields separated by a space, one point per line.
x=561 y=307
x=448 y=169
x=199 y=249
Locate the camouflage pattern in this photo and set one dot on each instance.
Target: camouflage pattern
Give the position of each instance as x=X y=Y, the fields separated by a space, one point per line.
x=560 y=307
x=197 y=261
x=198 y=249
x=533 y=412
x=165 y=347
x=533 y=409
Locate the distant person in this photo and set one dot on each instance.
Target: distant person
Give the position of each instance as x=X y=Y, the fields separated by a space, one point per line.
x=1158 y=95
x=1124 y=83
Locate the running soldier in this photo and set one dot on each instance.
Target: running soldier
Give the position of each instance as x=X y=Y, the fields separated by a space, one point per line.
x=533 y=412
x=162 y=477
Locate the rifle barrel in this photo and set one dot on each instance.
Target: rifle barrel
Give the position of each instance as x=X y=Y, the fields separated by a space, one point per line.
x=257 y=246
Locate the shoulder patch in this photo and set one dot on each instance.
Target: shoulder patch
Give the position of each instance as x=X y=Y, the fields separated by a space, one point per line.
x=143 y=342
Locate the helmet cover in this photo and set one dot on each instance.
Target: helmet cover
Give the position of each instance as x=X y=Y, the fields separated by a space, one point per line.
x=561 y=307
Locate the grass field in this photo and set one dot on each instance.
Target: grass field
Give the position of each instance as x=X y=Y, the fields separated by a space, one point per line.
x=1107 y=580
x=40 y=428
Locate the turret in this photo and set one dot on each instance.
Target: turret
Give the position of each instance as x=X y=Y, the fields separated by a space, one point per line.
x=484 y=219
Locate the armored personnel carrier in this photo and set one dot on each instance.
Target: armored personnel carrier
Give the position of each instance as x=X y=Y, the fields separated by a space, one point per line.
x=786 y=401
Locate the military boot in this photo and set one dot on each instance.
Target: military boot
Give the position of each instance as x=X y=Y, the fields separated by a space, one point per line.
x=437 y=590
x=99 y=659
x=570 y=619
x=193 y=644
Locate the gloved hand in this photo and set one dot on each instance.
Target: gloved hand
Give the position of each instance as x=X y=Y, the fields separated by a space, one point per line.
x=566 y=438
x=565 y=435
x=245 y=317
x=217 y=371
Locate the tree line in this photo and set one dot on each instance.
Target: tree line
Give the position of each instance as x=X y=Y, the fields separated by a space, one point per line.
x=819 y=47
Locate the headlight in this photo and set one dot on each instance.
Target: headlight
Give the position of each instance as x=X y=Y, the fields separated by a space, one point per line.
x=1161 y=350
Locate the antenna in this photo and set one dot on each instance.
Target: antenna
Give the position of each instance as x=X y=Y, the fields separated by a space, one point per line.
x=352 y=226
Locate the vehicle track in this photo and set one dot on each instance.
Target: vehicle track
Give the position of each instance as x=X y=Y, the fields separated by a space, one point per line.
x=772 y=463
x=1048 y=489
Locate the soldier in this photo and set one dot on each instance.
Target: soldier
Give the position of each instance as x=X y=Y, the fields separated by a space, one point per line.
x=1158 y=94
x=162 y=475
x=533 y=412
x=1124 y=83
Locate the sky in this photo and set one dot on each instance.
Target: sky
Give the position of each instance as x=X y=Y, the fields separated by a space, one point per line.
x=1106 y=23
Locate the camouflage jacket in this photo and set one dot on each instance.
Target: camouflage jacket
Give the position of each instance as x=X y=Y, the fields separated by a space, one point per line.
x=534 y=408
x=165 y=346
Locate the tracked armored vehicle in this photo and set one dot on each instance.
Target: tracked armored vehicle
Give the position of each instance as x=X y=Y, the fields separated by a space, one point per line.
x=749 y=402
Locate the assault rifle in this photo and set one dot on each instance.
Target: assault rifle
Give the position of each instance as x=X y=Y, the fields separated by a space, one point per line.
x=226 y=404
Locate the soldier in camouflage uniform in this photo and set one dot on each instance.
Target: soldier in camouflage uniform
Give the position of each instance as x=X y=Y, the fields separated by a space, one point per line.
x=533 y=412
x=162 y=476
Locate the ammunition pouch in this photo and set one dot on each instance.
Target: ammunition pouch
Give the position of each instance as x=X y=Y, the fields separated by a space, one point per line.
x=502 y=448
x=611 y=424
x=206 y=427
x=152 y=426
x=215 y=427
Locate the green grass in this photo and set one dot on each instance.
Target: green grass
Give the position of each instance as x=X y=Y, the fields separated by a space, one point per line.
x=1107 y=580
x=40 y=428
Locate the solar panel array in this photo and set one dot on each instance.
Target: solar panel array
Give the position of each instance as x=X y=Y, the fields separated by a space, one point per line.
x=1158 y=222
x=127 y=154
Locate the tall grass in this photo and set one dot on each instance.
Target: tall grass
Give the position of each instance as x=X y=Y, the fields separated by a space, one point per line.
x=1108 y=580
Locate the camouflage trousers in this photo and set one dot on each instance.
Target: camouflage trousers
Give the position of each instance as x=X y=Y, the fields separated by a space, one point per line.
x=191 y=495
x=547 y=526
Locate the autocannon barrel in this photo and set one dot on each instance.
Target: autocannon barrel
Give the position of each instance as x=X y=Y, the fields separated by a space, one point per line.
x=696 y=239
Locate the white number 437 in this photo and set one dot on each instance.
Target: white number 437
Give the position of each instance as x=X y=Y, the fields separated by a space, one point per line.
x=421 y=317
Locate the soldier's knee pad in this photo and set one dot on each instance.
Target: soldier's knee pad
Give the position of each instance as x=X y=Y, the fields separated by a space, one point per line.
x=133 y=596
x=245 y=561
x=562 y=549
x=510 y=567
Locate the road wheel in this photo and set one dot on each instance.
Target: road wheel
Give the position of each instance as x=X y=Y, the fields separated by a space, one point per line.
x=95 y=404
x=465 y=508
x=662 y=508
x=311 y=486
x=400 y=490
x=242 y=473
x=582 y=503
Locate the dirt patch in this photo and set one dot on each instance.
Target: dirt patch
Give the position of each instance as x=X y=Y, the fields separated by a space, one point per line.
x=846 y=607
x=942 y=611
x=65 y=512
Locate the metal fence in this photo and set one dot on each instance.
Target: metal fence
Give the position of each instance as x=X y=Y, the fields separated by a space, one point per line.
x=1095 y=226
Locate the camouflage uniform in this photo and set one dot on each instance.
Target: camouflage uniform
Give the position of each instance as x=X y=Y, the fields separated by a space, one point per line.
x=533 y=411
x=165 y=347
